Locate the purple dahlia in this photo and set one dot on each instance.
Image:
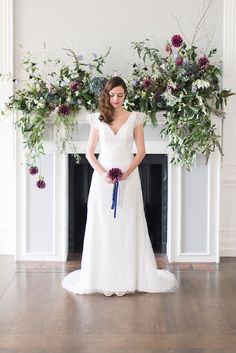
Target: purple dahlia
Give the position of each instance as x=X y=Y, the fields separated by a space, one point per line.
x=63 y=109
x=114 y=174
x=74 y=85
x=33 y=170
x=203 y=62
x=41 y=183
x=146 y=83
x=176 y=40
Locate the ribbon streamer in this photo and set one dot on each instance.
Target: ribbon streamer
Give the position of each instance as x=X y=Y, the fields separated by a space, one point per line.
x=114 y=197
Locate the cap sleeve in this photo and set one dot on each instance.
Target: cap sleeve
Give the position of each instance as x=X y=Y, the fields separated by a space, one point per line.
x=140 y=118
x=93 y=120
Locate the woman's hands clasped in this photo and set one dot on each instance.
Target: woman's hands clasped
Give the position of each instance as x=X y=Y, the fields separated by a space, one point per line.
x=107 y=179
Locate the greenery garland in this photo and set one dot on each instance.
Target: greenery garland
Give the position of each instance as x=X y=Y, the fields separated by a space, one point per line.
x=186 y=86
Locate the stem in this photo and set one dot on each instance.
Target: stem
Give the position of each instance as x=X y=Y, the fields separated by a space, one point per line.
x=201 y=21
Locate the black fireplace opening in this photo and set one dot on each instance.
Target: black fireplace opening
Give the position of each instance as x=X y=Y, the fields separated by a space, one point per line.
x=154 y=181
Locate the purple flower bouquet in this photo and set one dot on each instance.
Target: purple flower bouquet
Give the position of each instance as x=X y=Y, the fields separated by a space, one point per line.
x=114 y=174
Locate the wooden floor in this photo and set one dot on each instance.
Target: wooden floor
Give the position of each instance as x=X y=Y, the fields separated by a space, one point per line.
x=38 y=316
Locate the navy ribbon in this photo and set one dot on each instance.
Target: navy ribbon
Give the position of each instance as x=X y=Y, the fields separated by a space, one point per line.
x=114 y=197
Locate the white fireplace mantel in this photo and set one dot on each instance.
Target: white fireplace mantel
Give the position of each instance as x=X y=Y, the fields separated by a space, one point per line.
x=193 y=204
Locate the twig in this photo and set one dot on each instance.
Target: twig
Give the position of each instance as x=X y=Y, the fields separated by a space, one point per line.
x=201 y=21
x=178 y=23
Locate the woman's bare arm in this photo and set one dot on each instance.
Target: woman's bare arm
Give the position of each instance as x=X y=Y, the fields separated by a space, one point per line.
x=92 y=144
x=139 y=140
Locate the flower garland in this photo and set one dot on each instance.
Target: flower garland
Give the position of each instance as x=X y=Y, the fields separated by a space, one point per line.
x=186 y=86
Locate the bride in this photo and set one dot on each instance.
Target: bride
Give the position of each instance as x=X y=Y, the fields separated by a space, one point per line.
x=117 y=254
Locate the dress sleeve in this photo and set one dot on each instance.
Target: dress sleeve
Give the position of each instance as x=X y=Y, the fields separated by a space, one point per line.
x=93 y=120
x=140 y=118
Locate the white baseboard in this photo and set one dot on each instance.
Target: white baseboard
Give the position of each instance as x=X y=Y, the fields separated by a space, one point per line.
x=225 y=252
x=194 y=258
x=38 y=256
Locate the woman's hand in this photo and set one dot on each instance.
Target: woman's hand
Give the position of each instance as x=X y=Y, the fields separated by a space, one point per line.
x=125 y=175
x=106 y=178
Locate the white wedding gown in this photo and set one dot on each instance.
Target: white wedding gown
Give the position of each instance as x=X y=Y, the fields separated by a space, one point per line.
x=117 y=253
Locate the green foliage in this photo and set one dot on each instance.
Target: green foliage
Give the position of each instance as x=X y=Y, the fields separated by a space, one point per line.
x=59 y=94
x=188 y=88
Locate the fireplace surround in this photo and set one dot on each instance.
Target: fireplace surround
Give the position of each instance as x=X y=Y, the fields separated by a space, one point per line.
x=192 y=198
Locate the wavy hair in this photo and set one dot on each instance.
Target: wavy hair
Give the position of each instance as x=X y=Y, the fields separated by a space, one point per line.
x=105 y=108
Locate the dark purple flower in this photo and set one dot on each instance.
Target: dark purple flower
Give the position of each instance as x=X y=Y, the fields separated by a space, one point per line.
x=176 y=40
x=63 y=109
x=114 y=174
x=203 y=62
x=74 y=85
x=168 y=48
x=146 y=83
x=179 y=61
x=33 y=170
x=41 y=183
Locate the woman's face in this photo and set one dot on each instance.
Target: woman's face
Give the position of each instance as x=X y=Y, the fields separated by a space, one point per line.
x=117 y=96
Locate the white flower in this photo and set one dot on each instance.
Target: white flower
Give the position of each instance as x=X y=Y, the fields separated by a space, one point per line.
x=170 y=99
x=163 y=66
x=200 y=84
x=172 y=84
x=62 y=83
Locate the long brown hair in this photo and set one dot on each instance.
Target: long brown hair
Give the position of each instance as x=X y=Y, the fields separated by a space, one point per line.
x=105 y=108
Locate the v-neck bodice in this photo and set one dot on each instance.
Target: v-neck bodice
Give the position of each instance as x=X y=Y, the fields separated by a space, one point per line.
x=121 y=126
x=122 y=141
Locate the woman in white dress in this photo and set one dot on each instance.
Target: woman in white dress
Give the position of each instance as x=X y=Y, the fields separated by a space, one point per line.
x=117 y=255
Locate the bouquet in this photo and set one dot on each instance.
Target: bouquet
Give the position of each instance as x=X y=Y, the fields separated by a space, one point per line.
x=115 y=174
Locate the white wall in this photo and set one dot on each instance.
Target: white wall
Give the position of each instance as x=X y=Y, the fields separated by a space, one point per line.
x=93 y=26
